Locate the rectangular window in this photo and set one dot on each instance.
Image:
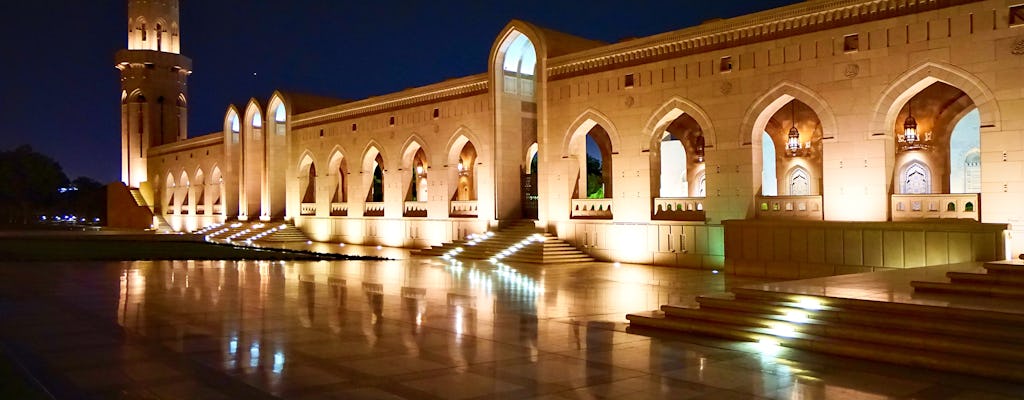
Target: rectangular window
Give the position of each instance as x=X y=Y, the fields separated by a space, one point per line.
x=851 y=43
x=353 y=127
x=391 y=121
x=321 y=133
x=437 y=113
x=629 y=80
x=725 y=65
x=1017 y=15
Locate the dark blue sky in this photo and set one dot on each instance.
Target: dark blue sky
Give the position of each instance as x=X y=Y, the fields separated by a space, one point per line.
x=59 y=91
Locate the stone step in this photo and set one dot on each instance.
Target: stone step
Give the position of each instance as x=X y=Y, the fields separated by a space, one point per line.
x=987 y=279
x=925 y=311
x=973 y=289
x=957 y=363
x=867 y=319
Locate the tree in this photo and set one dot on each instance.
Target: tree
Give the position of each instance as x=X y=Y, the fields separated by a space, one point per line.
x=595 y=178
x=29 y=184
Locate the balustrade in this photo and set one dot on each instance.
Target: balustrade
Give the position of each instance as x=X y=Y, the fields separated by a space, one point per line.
x=907 y=207
x=339 y=209
x=679 y=209
x=790 y=207
x=592 y=208
x=465 y=208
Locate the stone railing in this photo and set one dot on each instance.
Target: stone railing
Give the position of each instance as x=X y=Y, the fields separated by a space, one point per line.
x=218 y=209
x=200 y=208
x=908 y=207
x=679 y=209
x=463 y=208
x=373 y=209
x=307 y=209
x=339 y=209
x=806 y=208
x=592 y=208
x=415 y=209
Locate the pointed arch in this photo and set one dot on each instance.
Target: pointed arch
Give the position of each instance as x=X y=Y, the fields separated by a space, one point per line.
x=907 y=85
x=459 y=139
x=762 y=109
x=370 y=153
x=531 y=152
x=216 y=178
x=505 y=38
x=278 y=109
x=668 y=112
x=305 y=158
x=412 y=144
x=232 y=125
x=253 y=114
x=337 y=167
x=583 y=124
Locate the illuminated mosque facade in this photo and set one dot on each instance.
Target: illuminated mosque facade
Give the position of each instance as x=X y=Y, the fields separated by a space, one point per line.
x=824 y=132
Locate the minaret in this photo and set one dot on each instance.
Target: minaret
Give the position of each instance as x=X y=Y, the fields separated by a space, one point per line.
x=154 y=96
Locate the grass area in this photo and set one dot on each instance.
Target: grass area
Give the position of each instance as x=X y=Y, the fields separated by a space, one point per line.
x=86 y=248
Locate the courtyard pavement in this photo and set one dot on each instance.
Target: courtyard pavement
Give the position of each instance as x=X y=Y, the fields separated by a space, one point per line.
x=411 y=328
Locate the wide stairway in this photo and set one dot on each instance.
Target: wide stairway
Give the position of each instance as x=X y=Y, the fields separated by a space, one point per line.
x=971 y=325
x=243 y=232
x=518 y=242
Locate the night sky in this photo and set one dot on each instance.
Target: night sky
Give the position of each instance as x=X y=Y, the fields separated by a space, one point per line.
x=60 y=91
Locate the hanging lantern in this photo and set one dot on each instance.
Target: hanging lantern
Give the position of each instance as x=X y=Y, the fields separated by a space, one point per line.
x=793 y=139
x=910 y=129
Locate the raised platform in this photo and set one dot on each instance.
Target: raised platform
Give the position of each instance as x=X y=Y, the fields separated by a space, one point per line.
x=877 y=316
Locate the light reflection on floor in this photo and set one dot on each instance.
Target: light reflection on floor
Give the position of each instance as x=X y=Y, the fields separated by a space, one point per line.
x=416 y=328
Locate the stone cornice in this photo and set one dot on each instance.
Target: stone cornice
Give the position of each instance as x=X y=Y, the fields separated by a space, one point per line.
x=197 y=142
x=777 y=23
x=453 y=88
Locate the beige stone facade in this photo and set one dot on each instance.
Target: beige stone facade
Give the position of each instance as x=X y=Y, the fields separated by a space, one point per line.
x=430 y=164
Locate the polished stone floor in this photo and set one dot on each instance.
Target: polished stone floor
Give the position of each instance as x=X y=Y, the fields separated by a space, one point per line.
x=413 y=328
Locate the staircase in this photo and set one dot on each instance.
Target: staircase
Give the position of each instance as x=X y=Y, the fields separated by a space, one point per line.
x=139 y=199
x=519 y=242
x=997 y=279
x=970 y=333
x=254 y=231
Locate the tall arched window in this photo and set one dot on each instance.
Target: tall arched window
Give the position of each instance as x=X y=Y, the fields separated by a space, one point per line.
x=257 y=120
x=519 y=66
x=799 y=182
x=916 y=179
x=235 y=128
x=279 y=115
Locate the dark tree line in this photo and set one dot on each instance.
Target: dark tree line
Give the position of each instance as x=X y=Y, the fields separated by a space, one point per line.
x=34 y=185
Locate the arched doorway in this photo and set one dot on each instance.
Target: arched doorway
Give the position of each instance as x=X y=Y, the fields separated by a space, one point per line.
x=937 y=155
x=791 y=161
x=339 y=194
x=593 y=186
x=417 y=191
x=307 y=186
x=678 y=179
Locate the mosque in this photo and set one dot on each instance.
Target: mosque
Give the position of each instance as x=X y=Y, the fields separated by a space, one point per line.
x=822 y=137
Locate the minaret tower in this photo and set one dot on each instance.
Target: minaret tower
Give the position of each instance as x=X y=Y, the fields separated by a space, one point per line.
x=154 y=96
